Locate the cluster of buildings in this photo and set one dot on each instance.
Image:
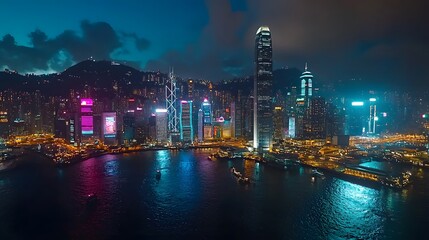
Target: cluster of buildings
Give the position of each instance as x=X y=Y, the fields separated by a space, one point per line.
x=171 y=110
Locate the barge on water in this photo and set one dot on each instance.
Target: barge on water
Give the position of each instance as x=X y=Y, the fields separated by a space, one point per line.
x=365 y=175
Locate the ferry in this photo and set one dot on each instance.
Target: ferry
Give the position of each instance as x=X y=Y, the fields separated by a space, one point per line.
x=241 y=179
x=235 y=172
x=372 y=177
x=244 y=180
x=316 y=173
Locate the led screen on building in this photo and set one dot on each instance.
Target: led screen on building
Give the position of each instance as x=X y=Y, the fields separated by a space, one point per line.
x=109 y=124
x=291 y=128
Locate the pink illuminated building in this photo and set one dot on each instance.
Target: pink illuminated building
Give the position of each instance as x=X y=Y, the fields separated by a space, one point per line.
x=87 y=121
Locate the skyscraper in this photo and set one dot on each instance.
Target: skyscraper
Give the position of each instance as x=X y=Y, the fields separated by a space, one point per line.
x=262 y=87
x=86 y=122
x=161 y=125
x=315 y=119
x=278 y=118
x=200 y=125
x=207 y=119
x=186 y=129
x=306 y=83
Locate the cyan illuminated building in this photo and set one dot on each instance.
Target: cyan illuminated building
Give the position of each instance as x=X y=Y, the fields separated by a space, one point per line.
x=372 y=115
x=200 y=125
x=262 y=87
x=207 y=119
x=306 y=83
x=185 y=122
x=356 y=118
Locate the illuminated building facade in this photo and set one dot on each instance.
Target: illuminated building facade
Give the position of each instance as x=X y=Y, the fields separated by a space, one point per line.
x=356 y=119
x=190 y=89
x=291 y=127
x=200 y=125
x=372 y=115
x=278 y=123
x=314 y=123
x=109 y=126
x=73 y=133
x=185 y=122
x=161 y=125
x=306 y=83
x=207 y=119
x=262 y=103
x=300 y=114
x=335 y=120
x=171 y=105
x=86 y=118
x=4 y=124
x=129 y=127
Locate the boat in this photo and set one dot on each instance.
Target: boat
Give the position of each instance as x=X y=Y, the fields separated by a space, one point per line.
x=235 y=172
x=244 y=180
x=91 y=199
x=158 y=174
x=316 y=173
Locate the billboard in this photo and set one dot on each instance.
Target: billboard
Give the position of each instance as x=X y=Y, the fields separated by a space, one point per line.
x=109 y=124
x=87 y=125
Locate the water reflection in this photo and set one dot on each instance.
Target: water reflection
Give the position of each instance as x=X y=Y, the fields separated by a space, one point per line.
x=111 y=168
x=200 y=199
x=351 y=211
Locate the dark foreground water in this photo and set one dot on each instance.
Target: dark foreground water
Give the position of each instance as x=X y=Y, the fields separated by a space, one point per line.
x=200 y=199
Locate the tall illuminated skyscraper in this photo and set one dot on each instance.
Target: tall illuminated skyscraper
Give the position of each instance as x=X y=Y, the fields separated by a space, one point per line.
x=161 y=125
x=207 y=119
x=86 y=119
x=306 y=83
x=262 y=87
x=185 y=121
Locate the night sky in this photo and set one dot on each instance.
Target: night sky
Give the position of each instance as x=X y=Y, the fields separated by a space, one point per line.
x=380 y=41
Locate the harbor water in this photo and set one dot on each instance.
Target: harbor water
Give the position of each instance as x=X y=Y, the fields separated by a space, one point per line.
x=199 y=198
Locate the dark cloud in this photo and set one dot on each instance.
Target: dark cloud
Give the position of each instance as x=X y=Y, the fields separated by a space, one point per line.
x=374 y=40
x=98 y=40
x=140 y=43
x=38 y=38
x=383 y=41
x=218 y=53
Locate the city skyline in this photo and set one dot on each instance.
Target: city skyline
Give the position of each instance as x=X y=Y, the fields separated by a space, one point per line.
x=381 y=45
x=213 y=119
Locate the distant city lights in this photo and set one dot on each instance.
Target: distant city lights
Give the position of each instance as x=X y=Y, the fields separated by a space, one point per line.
x=358 y=103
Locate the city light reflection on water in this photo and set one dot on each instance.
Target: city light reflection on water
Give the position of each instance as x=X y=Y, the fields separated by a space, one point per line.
x=348 y=211
x=199 y=198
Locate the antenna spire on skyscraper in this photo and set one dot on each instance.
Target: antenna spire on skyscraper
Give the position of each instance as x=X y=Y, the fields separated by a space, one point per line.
x=306 y=67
